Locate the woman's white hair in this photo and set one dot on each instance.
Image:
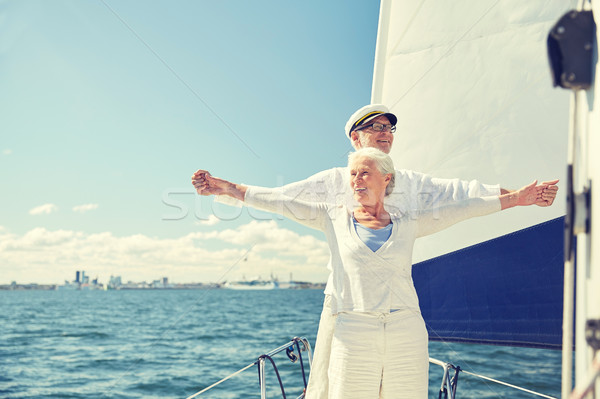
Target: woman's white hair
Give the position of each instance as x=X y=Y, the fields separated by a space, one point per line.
x=384 y=163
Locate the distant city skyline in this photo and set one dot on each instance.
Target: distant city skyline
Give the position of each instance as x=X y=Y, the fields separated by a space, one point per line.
x=80 y=276
x=82 y=282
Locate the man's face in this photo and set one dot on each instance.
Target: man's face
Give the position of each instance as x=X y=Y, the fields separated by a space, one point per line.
x=369 y=138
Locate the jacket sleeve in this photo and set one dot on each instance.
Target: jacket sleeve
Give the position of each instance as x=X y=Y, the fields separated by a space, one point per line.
x=311 y=214
x=320 y=187
x=416 y=192
x=434 y=220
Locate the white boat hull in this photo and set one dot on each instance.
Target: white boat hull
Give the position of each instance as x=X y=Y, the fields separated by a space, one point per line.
x=251 y=285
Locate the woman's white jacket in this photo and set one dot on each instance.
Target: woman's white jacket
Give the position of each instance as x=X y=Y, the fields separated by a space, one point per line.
x=363 y=280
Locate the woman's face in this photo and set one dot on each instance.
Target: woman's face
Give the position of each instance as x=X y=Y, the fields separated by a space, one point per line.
x=367 y=182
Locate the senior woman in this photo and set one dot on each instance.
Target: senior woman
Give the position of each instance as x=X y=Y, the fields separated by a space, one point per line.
x=379 y=347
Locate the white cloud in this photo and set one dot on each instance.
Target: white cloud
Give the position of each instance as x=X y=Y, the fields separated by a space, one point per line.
x=85 y=208
x=43 y=209
x=267 y=236
x=7 y=152
x=211 y=221
x=52 y=256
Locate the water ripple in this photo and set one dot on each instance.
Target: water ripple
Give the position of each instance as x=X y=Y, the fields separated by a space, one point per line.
x=170 y=344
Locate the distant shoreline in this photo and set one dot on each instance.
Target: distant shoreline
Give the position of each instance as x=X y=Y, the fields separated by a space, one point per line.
x=182 y=286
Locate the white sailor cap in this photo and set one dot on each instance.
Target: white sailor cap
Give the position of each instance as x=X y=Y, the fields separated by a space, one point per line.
x=367 y=113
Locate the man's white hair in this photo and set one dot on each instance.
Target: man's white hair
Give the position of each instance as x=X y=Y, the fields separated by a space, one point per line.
x=382 y=160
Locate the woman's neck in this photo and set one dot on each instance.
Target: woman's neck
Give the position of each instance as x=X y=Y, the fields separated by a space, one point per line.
x=372 y=216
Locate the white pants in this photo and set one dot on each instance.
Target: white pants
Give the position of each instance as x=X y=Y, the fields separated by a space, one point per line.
x=318 y=381
x=371 y=356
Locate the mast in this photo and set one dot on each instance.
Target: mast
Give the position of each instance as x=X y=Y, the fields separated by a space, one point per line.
x=585 y=196
x=573 y=54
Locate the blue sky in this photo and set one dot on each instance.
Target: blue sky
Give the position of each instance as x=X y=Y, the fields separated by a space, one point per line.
x=107 y=108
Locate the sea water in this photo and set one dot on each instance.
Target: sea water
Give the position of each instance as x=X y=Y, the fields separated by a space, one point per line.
x=173 y=343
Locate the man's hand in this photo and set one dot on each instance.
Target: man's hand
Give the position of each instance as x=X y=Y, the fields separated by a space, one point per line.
x=205 y=184
x=542 y=194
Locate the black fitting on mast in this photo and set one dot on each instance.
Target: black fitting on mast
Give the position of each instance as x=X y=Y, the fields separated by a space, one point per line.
x=570 y=48
x=592 y=333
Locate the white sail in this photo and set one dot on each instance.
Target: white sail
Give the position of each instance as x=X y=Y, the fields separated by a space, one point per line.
x=471 y=86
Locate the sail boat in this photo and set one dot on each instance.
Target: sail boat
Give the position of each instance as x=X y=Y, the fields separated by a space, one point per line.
x=471 y=86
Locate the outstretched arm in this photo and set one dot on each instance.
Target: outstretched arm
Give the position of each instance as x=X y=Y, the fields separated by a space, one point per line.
x=542 y=194
x=434 y=221
x=267 y=199
x=205 y=184
x=325 y=186
x=428 y=192
x=545 y=195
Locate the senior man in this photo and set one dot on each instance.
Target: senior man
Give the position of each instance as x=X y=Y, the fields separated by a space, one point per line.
x=374 y=126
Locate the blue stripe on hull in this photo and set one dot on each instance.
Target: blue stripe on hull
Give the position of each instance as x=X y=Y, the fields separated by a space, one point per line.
x=506 y=291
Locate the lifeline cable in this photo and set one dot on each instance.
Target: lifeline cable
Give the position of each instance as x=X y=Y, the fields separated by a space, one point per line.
x=290 y=345
x=221 y=381
x=509 y=385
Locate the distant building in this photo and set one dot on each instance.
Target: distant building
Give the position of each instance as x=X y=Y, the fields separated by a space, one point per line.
x=81 y=282
x=114 y=283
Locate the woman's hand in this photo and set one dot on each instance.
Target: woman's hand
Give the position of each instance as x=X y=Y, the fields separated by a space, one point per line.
x=528 y=195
